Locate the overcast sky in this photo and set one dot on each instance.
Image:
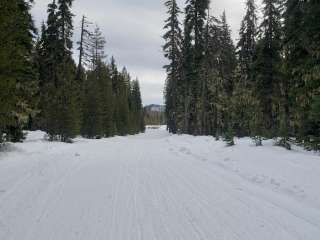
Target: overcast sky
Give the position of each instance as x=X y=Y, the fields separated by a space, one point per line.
x=133 y=29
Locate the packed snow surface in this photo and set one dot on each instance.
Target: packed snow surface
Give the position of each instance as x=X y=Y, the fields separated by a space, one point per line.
x=155 y=186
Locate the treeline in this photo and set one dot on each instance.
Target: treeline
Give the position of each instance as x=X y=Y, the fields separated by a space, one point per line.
x=41 y=86
x=266 y=86
x=154 y=116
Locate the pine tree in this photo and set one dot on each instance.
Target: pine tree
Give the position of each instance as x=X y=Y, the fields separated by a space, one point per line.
x=267 y=69
x=312 y=75
x=114 y=73
x=228 y=63
x=83 y=62
x=70 y=115
x=212 y=84
x=137 y=109
x=295 y=54
x=45 y=70
x=243 y=101
x=65 y=28
x=108 y=102
x=206 y=69
x=17 y=75
x=270 y=91
x=95 y=89
x=48 y=68
x=301 y=46
x=127 y=97
x=193 y=57
x=92 y=108
x=123 y=105
x=60 y=112
x=247 y=43
x=84 y=46
x=172 y=50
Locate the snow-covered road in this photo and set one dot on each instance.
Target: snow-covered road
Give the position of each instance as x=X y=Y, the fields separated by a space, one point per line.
x=154 y=186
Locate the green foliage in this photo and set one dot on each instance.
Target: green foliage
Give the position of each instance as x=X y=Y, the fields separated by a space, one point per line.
x=17 y=74
x=193 y=58
x=112 y=101
x=243 y=99
x=60 y=114
x=172 y=51
x=94 y=102
x=200 y=78
x=154 y=118
x=301 y=44
x=266 y=87
x=267 y=66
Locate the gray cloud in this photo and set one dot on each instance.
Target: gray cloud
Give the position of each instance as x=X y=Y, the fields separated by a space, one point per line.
x=133 y=29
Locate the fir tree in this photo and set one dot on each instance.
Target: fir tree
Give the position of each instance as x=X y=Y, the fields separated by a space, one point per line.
x=123 y=105
x=107 y=98
x=137 y=109
x=227 y=62
x=267 y=68
x=114 y=74
x=212 y=79
x=193 y=51
x=312 y=75
x=301 y=45
x=59 y=91
x=243 y=101
x=95 y=89
x=17 y=74
x=84 y=46
x=172 y=50
x=247 y=43
x=48 y=67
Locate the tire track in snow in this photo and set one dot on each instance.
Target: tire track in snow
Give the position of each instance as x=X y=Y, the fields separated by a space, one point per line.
x=151 y=187
x=225 y=176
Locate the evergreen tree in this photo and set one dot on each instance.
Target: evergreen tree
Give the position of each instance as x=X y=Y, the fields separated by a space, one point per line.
x=267 y=69
x=17 y=73
x=48 y=67
x=247 y=43
x=243 y=101
x=312 y=75
x=137 y=109
x=95 y=88
x=92 y=108
x=69 y=116
x=193 y=57
x=204 y=100
x=84 y=47
x=172 y=50
x=295 y=55
x=270 y=91
x=65 y=28
x=301 y=46
x=114 y=74
x=58 y=89
x=45 y=70
x=227 y=66
x=123 y=104
x=107 y=99
x=211 y=84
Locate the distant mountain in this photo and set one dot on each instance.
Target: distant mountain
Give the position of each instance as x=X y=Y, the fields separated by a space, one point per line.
x=154 y=108
x=154 y=114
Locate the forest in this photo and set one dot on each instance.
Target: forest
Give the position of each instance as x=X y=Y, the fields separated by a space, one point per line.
x=43 y=87
x=265 y=86
x=221 y=143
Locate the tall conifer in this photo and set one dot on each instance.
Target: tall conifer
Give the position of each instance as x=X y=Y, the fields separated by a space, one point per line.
x=172 y=50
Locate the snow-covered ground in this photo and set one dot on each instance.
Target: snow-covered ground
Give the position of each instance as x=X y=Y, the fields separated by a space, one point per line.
x=154 y=186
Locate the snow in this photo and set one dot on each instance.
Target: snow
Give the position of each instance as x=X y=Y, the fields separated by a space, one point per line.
x=156 y=186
